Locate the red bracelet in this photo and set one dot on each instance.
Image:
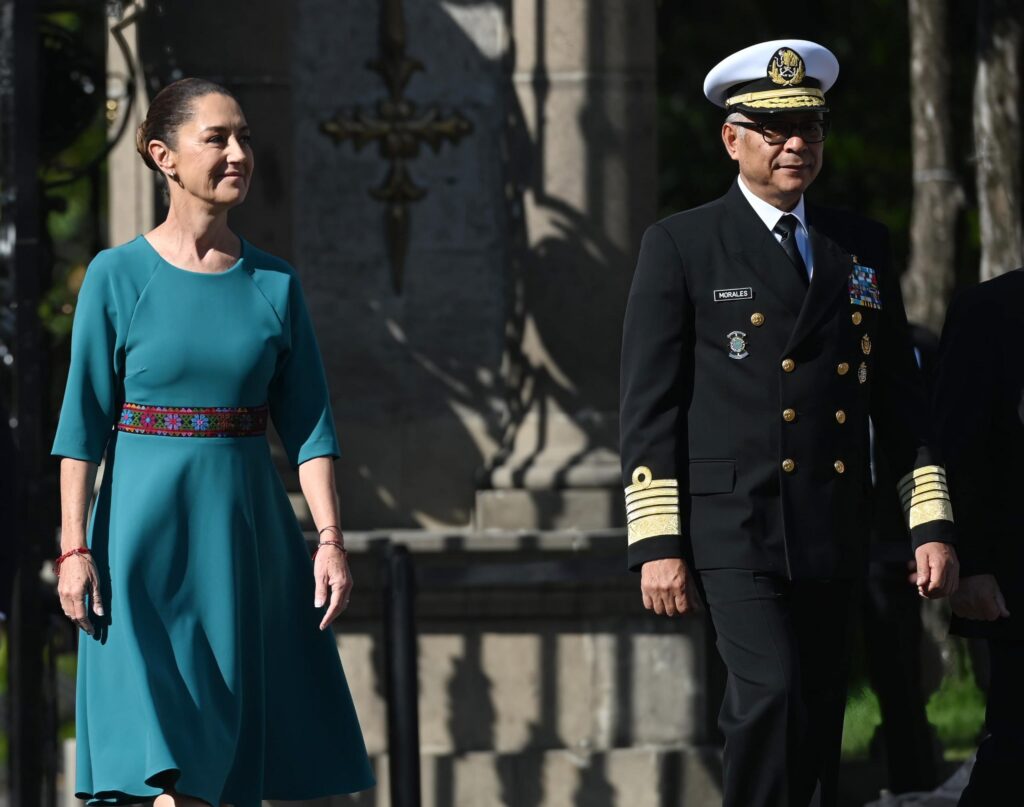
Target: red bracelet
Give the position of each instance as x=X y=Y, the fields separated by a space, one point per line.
x=337 y=544
x=57 y=563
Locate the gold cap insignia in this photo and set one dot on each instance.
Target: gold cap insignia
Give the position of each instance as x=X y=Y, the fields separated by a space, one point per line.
x=786 y=67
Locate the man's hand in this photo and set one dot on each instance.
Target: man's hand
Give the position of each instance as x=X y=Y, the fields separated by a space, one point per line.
x=667 y=587
x=979 y=597
x=938 y=570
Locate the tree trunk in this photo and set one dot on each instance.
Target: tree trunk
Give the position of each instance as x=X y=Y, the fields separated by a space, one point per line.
x=938 y=197
x=997 y=135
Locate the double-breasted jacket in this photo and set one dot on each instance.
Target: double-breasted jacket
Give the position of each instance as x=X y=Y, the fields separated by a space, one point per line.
x=746 y=396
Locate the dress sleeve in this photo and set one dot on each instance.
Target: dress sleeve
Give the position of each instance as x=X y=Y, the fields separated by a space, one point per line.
x=899 y=412
x=300 y=404
x=93 y=389
x=657 y=364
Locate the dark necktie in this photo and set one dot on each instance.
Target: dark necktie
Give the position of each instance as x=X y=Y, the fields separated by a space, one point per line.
x=786 y=229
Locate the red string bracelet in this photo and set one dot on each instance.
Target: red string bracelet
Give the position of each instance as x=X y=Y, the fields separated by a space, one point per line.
x=77 y=551
x=337 y=544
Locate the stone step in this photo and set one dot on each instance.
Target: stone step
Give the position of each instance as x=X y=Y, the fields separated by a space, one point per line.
x=621 y=777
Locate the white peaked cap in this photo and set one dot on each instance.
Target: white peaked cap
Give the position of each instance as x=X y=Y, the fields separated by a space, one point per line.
x=778 y=76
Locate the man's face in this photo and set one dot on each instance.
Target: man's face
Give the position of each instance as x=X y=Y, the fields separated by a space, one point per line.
x=777 y=173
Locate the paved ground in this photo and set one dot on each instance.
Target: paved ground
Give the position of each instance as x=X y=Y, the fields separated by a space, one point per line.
x=946 y=795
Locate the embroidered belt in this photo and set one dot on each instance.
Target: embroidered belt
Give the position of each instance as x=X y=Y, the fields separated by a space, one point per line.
x=193 y=421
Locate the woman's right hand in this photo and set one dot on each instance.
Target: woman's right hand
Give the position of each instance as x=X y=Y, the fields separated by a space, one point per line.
x=78 y=577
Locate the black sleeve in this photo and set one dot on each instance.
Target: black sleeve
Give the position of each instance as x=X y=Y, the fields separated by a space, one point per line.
x=964 y=409
x=656 y=383
x=899 y=412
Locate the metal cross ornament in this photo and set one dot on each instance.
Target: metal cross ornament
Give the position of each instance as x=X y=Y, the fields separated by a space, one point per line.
x=398 y=128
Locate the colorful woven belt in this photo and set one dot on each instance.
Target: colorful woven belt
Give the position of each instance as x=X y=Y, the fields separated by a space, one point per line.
x=193 y=421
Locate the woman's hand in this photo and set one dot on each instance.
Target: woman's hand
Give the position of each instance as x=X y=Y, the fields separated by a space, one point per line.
x=78 y=577
x=330 y=571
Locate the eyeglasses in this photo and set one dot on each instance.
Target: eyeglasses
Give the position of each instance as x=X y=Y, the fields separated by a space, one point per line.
x=775 y=133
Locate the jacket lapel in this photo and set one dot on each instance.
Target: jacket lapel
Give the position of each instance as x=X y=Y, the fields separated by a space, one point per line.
x=751 y=244
x=832 y=267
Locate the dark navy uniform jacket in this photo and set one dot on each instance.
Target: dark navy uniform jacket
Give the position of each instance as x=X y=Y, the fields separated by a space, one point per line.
x=745 y=396
x=979 y=416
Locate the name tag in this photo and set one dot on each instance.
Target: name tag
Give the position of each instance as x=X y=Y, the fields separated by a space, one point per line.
x=730 y=295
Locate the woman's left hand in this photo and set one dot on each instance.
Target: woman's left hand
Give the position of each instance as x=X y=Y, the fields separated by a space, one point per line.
x=330 y=571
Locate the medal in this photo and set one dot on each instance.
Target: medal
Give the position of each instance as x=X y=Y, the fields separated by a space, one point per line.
x=737 y=345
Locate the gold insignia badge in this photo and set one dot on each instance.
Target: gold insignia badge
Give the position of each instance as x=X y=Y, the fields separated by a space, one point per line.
x=862 y=373
x=786 y=68
x=865 y=344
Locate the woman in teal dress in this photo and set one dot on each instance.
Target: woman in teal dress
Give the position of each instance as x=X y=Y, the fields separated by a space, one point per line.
x=208 y=675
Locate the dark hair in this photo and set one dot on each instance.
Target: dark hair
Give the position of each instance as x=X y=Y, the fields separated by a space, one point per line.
x=169 y=110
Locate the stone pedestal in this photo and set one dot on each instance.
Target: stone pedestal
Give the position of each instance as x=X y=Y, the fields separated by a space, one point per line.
x=584 y=77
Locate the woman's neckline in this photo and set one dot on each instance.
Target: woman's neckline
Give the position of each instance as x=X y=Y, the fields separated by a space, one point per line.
x=229 y=270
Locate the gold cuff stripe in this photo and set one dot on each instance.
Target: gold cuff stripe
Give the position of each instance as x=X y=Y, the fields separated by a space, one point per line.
x=652 y=506
x=934 y=496
x=653 y=493
x=665 y=510
x=795 y=96
x=922 y=502
x=924 y=479
x=662 y=501
x=931 y=487
x=937 y=510
x=653 y=525
x=657 y=483
x=924 y=470
x=925 y=496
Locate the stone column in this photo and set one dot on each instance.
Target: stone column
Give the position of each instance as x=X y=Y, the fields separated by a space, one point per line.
x=585 y=166
x=130 y=182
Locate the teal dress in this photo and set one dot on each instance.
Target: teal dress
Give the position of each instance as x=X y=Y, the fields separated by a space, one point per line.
x=208 y=673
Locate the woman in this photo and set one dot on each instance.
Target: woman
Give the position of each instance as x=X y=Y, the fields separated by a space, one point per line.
x=205 y=679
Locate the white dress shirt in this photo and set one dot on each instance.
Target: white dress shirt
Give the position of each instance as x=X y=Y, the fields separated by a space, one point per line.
x=770 y=216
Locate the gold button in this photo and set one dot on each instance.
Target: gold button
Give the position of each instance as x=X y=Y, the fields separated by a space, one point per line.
x=840 y=416
x=840 y=467
x=788 y=365
x=843 y=368
x=789 y=415
x=757 y=319
x=788 y=465
x=856 y=316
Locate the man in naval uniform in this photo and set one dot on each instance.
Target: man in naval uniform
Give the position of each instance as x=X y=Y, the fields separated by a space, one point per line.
x=979 y=417
x=761 y=333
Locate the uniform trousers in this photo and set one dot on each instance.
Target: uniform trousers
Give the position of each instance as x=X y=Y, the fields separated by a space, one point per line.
x=996 y=778
x=785 y=647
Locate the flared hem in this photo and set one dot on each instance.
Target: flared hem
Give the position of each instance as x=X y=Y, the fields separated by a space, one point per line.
x=171 y=776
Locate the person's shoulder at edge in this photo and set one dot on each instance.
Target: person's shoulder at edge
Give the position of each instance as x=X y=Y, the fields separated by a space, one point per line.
x=841 y=218
x=1001 y=294
x=694 y=217
x=259 y=260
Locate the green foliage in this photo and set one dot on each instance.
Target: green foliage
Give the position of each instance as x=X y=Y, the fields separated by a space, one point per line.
x=863 y=716
x=957 y=708
x=868 y=162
